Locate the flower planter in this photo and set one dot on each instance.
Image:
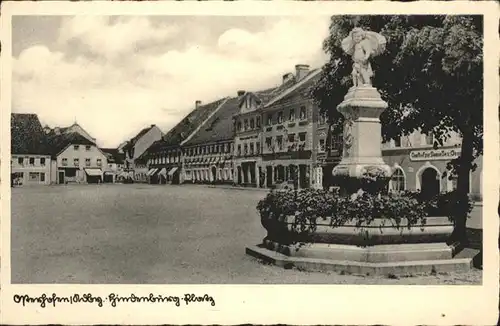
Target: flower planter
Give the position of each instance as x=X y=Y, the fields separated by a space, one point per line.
x=379 y=231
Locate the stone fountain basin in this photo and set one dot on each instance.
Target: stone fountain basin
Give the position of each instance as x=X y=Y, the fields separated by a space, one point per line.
x=378 y=232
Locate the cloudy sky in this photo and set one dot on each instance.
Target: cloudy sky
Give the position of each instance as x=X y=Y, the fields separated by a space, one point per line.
x=116 y=74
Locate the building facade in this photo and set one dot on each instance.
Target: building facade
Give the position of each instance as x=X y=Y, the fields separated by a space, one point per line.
x=419 y=166
x=136 y=146
x=77 y=159
x=208 y=152
x=290 y=134
x=30 y=159
x=115 y=169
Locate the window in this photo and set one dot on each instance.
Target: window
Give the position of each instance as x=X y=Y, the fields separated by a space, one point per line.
x=302 y=136
x=292 y=115
x=87 y=162
x=269 y=119
x=225 y=148
x=99 y=162
x=239 y=150
x=34 y=176
x=397 y=142
x=321 y=145
x=239 y=126
x=42 y=177
x=279 y=139
x=302 y=113
x=269 y=142
x=398 y=180
x=32 y=160
x=291 y=138
x=20 y=160
x=252 y=123
x=42 y=161
x=87 y=148
x=245 y=124
x=64 y=161
x=429 y=139
x=245 y=149
x=337 y=142
x=280 y=117
x=76 y=162
x=257 y=122
x=232 y=148
x=76 y=147
x=257 y=148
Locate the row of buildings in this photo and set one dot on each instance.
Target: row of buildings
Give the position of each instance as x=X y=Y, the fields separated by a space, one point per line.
x=43 y=155
x=265 y=138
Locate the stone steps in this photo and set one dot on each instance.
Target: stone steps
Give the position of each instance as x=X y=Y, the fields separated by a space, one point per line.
x=363 y=268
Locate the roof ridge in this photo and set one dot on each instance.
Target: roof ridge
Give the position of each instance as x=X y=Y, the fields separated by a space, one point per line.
x=293 y=87
x=200 y=126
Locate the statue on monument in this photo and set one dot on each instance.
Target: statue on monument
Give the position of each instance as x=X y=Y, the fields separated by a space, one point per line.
x=362 y=46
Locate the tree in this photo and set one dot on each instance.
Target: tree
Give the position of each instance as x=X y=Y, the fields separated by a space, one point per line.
x=431 y=75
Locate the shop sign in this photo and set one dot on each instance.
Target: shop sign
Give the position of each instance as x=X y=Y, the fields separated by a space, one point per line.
x=434 y=154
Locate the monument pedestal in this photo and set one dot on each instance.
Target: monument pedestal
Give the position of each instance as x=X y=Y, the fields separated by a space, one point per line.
x=362 y=107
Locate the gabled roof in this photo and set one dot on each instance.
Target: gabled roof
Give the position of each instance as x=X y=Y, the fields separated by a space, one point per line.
x=141 y=133
x=59 y=142
x=219 y=127
x=27 y=136
x=302 y=85
x=113 y=155
x=180 y=132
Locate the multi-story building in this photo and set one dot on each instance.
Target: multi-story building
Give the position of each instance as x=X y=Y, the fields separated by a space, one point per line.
x=208 y=152
x=418 y=166
x=289 y=133
x=164 y=157
x=77 y=159
x=248 y=138
x=136 y=146
x=30 y=157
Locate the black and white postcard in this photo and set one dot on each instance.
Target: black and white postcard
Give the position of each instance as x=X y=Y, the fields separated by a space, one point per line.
x=249 y=162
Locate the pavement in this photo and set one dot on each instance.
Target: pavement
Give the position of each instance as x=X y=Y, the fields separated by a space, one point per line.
x=150 y=234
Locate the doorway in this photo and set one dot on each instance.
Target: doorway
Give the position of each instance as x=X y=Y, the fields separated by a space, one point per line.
x=61 y=177
x=430 y=185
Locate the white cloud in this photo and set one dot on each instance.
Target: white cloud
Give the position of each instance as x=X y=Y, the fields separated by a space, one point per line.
x=111 y=39
x=115 y=97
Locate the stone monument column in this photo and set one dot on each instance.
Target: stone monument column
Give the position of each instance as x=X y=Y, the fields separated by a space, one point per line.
x=362 y=107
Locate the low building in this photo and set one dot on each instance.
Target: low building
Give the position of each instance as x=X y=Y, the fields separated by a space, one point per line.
x=30 y=157
x=208 y=152
x=77 y=159
x=419 y=166
x=116 y=163
x=136 y=146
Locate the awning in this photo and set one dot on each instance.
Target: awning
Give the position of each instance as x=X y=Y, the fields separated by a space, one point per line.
x=154 y=172
x=108 y=172
x=172 y=171
x=93 y=172
x=217 y=160
x=123 y=174
x=163 y=171
x=151 y=171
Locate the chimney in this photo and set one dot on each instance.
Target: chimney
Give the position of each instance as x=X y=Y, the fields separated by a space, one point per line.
x=301 y=70
x=47 y=129
x=153 y=125
x=57 y=131
x=287 y=77
x=241 y=93
x=197 y=104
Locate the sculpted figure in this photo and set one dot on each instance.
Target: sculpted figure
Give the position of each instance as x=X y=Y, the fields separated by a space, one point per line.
x=362 y=46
